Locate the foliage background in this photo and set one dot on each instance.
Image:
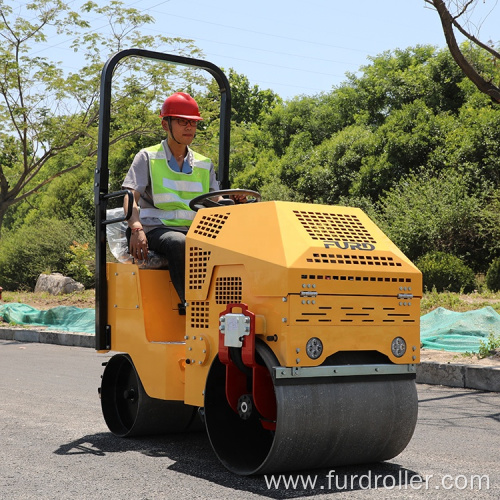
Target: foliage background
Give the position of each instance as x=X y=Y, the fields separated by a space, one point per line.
x=410 y=140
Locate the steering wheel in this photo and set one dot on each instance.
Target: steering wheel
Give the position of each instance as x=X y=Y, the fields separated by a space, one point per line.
x=204 y=200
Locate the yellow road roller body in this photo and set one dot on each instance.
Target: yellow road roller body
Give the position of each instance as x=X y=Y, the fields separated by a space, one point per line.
x=299 y=343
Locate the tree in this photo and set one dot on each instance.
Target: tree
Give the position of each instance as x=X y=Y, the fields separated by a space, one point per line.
x=249 y=106
x=319 y=117
x=405 y=141
x=249 y=102
x=482 y=74
x=361 y=138
x=46 y=113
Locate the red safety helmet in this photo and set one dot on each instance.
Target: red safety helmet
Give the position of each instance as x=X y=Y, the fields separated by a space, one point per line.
x=181 y=105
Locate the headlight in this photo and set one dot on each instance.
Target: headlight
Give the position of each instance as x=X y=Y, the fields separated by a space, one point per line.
x=314 y=348
x=398 y=347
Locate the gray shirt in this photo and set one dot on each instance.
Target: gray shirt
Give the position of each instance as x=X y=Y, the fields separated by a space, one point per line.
x=138 y=179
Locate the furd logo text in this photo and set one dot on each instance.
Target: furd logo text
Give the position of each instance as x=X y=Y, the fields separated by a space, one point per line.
x=349 y=245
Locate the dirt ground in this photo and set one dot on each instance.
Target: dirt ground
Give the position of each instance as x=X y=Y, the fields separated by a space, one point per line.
x=459 y=358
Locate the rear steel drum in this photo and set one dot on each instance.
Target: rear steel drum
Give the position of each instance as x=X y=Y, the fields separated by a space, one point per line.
x=129 y=411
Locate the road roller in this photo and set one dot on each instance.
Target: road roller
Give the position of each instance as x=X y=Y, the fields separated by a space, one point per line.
x=301 y=337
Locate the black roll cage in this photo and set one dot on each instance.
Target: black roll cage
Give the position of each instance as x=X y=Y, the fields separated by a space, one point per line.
x=101 y=177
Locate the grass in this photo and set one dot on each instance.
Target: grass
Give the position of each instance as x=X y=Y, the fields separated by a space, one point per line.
x=459 y=302
x=44 y=300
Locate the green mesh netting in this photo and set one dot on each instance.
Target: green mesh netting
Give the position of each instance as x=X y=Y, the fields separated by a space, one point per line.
x=458 y=332
x=440 y=329
x=65 y=318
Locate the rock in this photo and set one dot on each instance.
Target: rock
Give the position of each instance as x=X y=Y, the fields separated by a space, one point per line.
x=57 y=284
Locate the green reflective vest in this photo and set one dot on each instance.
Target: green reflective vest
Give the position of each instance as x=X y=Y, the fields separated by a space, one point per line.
x=172 y=191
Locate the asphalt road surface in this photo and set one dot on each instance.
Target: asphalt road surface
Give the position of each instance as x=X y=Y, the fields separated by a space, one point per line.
x=54 y=444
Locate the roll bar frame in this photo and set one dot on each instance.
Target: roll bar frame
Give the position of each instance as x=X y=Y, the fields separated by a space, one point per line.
x=101 y=177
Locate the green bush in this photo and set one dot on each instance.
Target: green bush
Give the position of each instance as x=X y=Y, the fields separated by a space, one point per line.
x=440 y=213
x=493 y=276
x=35 y=249
x=81 y=265
x=445 y=272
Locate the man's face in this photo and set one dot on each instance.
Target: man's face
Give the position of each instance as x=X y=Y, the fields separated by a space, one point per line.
x=183 y=130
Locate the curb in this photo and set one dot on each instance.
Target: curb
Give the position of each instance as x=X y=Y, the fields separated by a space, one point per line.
x=48 y=337
x=483 y=378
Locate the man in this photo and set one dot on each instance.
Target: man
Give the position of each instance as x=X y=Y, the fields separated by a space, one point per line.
x=163 y=179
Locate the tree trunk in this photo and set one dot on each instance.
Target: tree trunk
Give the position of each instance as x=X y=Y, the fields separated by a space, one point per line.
x=447 y=21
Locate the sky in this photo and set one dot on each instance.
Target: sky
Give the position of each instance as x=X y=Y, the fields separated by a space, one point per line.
x=292 y=47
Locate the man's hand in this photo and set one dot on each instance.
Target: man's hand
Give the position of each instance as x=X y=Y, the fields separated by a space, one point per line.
x=239 y=198
x=138 y=244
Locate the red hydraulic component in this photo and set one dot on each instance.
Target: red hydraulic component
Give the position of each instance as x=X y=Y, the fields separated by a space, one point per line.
x=237 y=381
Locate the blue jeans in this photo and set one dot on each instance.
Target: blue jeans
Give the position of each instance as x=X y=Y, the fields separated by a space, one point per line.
x=172 y=244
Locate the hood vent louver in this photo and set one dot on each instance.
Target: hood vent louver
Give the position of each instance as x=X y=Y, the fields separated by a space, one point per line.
x=334 y=227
